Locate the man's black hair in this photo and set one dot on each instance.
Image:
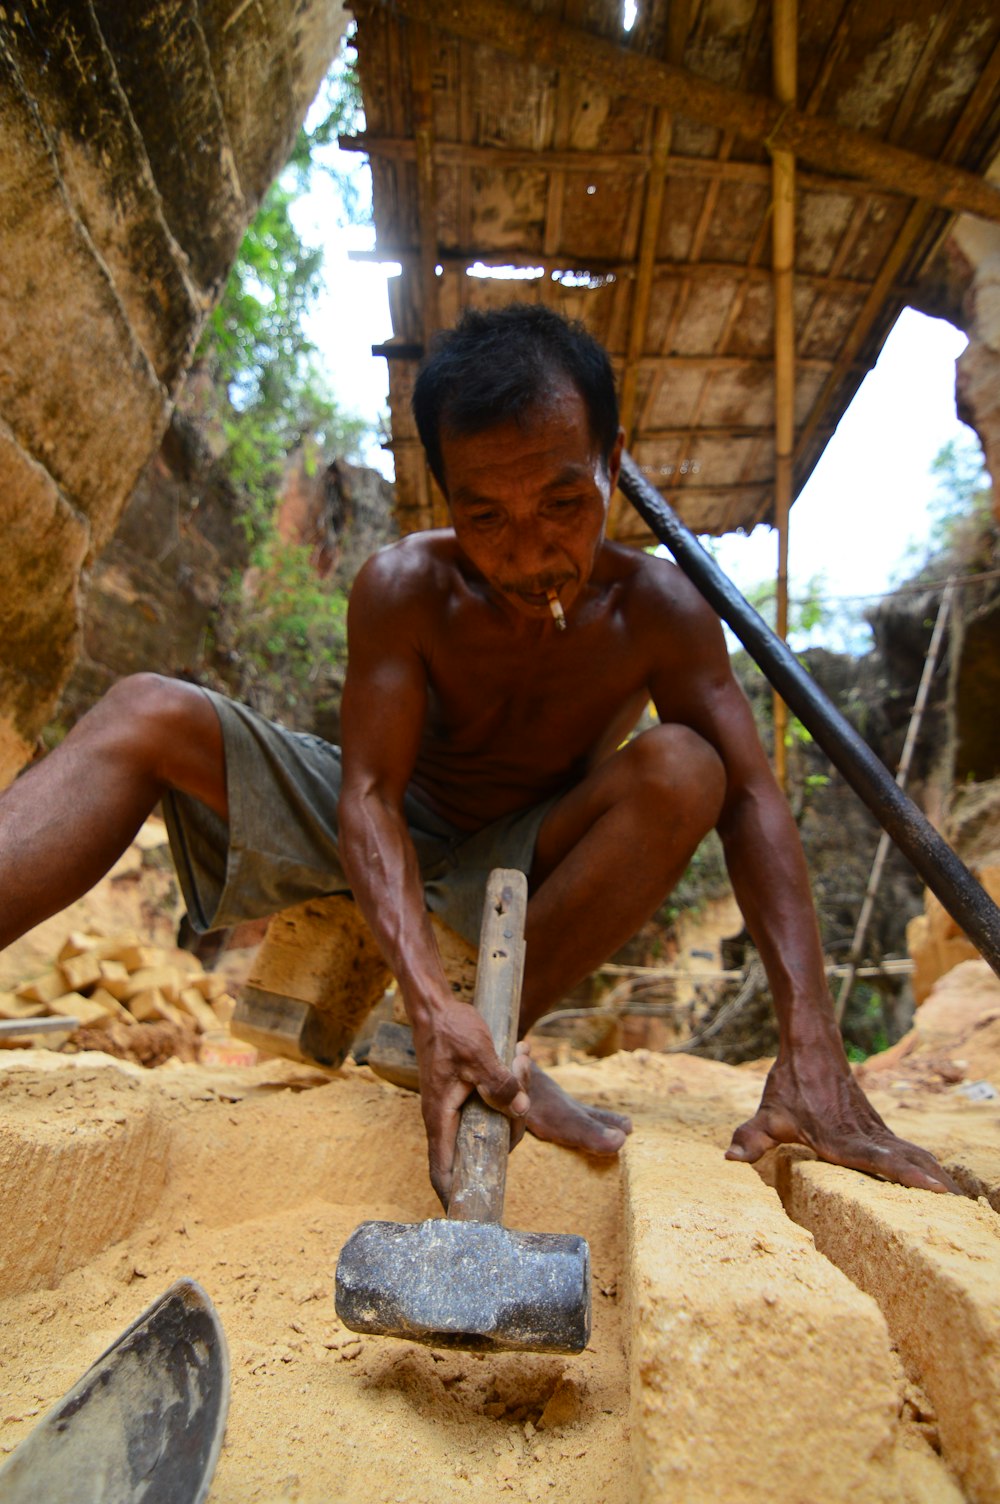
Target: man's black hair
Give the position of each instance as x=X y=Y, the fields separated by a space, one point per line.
x=496 y=366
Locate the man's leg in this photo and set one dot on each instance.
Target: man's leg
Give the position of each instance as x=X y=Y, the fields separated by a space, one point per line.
x=67 y=820
x=607 y=856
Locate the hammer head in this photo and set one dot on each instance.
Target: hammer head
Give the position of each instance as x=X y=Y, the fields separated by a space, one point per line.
x=476 y=1285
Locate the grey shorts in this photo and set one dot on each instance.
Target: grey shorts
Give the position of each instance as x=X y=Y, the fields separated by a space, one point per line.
x=280 y=845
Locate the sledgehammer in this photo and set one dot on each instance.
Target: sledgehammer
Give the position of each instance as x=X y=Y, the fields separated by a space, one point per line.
x=468 y=1281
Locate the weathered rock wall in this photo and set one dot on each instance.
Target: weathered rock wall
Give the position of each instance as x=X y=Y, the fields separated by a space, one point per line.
x=157 y=599
x=136 y=143
x=971 y=824
x=149 y=600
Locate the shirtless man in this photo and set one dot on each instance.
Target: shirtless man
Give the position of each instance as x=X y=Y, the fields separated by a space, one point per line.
x=477 y=732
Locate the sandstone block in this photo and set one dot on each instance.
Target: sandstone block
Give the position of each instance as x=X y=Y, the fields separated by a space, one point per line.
x=933 y=1265
x=317 y=976
x=74 y=1005
x=758 y=1371
x=313 y=982
x=190 y=1001
x=81 y=971
x=136 y=957
x=114 y=978
x=78 y=943
x=43 y=989
x=323 y=953
x=14 y=1007
x=163 y=979
x=112 y=1006
x=210 y=985
x=937 y=943
x=150 y=1004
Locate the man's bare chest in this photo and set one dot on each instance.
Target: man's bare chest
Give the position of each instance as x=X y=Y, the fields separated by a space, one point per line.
x=562 y=698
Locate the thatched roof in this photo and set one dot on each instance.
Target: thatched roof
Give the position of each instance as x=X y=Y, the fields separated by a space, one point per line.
x=738 y=220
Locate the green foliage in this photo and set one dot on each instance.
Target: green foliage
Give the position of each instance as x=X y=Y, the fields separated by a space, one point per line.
x=282 y=629
x=963 y=537
x=964 y=490
x=336 y=111
x=294 y=629
x=255 y=347
x=812 y=615
x=865 y=1031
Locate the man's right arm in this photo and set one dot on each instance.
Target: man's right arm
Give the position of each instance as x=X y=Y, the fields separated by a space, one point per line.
x=382 y=716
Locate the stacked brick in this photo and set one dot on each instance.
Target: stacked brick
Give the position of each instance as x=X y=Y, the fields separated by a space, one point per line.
x=98 y=981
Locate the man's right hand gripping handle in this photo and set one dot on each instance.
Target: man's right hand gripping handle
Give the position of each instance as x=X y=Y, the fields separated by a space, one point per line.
x=456 y=1057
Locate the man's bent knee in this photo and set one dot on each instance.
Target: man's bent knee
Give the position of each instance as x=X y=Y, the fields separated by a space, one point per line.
x=675 y=766
x=169 y=730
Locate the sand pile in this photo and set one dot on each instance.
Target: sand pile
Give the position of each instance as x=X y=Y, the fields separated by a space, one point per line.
x=114 y=1181
x=876 y=1384
x=250 y=1181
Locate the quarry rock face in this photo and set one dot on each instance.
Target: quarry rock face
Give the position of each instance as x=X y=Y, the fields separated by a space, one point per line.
x=972 y=826
x=137 y=143
x=977 y=389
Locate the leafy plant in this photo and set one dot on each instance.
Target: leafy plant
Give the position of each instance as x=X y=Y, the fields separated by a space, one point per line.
x=963 y=536
x=255 y=349
x=280 y=634
x=288 y=626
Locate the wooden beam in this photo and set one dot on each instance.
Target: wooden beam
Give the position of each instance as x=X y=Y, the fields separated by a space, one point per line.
x=555 y=187
x=652 y=212
x=706 y=217
x=714 y=431
x=916 y=84
x=725 y=362
x=422 y=98
x=679 y=489
x=422 y=103
x=834 y=52
x=547 y=43
x=501 y=158
x=678 y=26
x=784 y=59
x=978 y=104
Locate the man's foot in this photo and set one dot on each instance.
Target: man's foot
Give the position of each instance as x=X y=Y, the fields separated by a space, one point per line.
x=558 y=1118
x=831 y=1115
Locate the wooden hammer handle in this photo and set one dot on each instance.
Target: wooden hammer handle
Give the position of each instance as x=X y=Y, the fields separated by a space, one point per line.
x=479 y=1173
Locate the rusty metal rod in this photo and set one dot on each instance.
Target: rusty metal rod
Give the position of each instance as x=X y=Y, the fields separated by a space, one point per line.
x=936 y=863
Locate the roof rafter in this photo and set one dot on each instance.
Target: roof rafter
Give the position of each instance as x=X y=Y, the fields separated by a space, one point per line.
x=503 y=158
x=553 y=44
x=916 y=222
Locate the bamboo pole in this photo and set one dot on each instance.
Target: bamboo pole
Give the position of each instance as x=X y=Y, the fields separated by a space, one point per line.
x=651 y=214
x=784 y=46
x=645 y=271
x=902 y=775
x=422 y=96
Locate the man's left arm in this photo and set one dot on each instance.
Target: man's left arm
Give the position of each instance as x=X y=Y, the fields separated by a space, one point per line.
x=811 y=1096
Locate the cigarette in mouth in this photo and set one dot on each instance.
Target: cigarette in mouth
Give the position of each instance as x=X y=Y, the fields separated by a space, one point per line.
x=555 y=606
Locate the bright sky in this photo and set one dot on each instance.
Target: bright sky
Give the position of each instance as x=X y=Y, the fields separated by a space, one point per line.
x=866 y=501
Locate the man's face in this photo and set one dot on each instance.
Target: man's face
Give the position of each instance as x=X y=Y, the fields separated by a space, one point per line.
x=529 y=502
